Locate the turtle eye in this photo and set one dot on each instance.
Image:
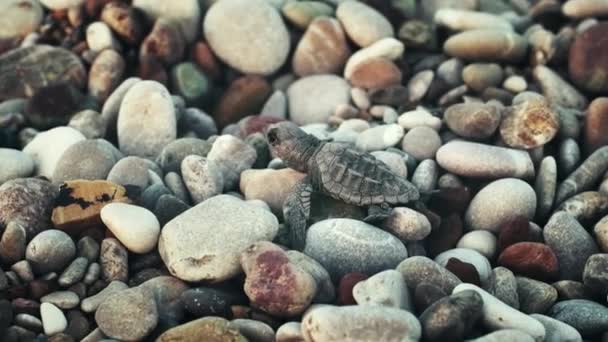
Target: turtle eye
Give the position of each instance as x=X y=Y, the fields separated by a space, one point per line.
x=272 y=136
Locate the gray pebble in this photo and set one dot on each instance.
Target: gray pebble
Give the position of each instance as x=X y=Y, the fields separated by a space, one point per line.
x=203 y=178
x=585 y=176
x=150 y=196
x=505 y=335
x=24 y=270
x=535 y=296
x=199 y=122
x=479 y=76
x=386 y=288
x=451 y=317
x=88 y=248
x=569 y=158
x=557 y=90
x=93 y=273
x=589 y=318
x=90 y=123
x=169 y=207
x=114 y=261
x=450 y=71
x=569 y=124
x=262 y=150
x=112 y=105
x=15 y=164
x=421 y=142
x=571 y=244
x=425 y=175
x=254 y=330
x=50 y=251
x=90 y=304
x=595 y=275
x=326 y=292
x=557 y=330
x=545 y=185
x=87 y=159
x=419 y=269
x=175 y=183
x=62 y=299
x=407 y=224
x=74 y=272
x=28 y=322
x=130 y=171
x=172 y=155
x=233 y=156
x=346 y=245
x=128 y=315
x=503 y=285
x=154 y=178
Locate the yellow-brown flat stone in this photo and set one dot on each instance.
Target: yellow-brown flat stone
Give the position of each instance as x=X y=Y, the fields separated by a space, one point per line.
x=79 y=203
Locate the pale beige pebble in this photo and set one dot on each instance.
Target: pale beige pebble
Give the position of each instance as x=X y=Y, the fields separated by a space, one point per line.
x=90 y=304
x=585 y=8
x=407 y=224
x=389 y=48
x=360 y=323
x=47 y=148
x=313 y=99
x=205 y=242
x=600 y=231
x=149 y=102
x=379 y=137
x=276 y=105
x=487 y=45
x=480 y=76
x=394 y=161
x=61 y=4
x=357 y=125
x=53 y=319
x=137 y=228
x=360 y=98
x=481 y=241
x=290 y=332
x=16 y=164
x=363 y=24
x=387 y=288
x=248 y=35
x=323 y=49
x=111 y=107
x=186 y=14
x=94 y=336
x=516 y=84
x=270 y=186
x=504 y=335
x=202 y=177
x=346 y=111
x=477 y=160
x=419 y=84
x=463 y=20
x=302 y=13
x=99 y=37
x=419 y=117
x=498 y=202
x=498 y=315
x=380 y=111
x=421 y=142
x=19 y=18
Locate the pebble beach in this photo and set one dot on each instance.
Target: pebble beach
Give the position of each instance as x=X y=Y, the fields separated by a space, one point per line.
x=140 y=198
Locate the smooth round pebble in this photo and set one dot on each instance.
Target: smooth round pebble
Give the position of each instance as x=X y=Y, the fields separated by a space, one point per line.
x=16 y=164
x=363 y=24
x=421 y=142
x=481 y=241
x=135 y=227
x=53 y=320
x=379 y=137
x=50 y=251
x=386 y=288
x=313 y=99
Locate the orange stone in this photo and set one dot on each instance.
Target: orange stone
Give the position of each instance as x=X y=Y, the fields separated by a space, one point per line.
x=245 y=96
x=79 y=203
x=596 y=124
x=530 y=259
x=375 y=73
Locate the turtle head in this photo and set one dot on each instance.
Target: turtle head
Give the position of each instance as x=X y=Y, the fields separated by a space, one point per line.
x=290 y=143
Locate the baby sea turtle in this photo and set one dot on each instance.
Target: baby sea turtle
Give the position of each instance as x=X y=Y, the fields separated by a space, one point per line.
x=337 y=170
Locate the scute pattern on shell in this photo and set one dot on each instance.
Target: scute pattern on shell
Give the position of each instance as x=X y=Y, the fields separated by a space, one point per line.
x=359 y=178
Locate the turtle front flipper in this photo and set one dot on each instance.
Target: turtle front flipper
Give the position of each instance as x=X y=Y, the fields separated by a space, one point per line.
x=296 y=211
x=376 y=214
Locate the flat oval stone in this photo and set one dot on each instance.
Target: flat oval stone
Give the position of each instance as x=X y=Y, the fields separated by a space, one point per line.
x=530 y=259
x=480 y=76
x=186 y=15
x=498 y=315
x=535 y=296
x=481 y=241
x=24 y=71
x=202 y=177
x=136 y=227
x=586 y=63
x=150 y=102
x=214 y=329
x=346 y=245
x=53 y=320
x=557 y=330
x=62 y=299
x=451 y=317
x=389 y=48
x=587 y=317
x=484 y=161
x=313 y=54
x=244 y=96
x=585 y=8
x=217 y=231
x=313 y=99
x=421 y=142
x=571 y=243
x=408 y=224
x=505 y=335
x=19 y=18
x=232 y=30
x=363 y=24
x=105 y=74
x=302 y=13
x=418 y=269
x=499 y=201
x=379 y=137
x=50 y=251
x=90 y=304
x=557 y=90
x=529 y=124
x=487 y=45
x=373 y=323
x=463 y=20
x=99 y=37
x=129 y=314
x=86 y=160
x=596 y=122
x=270 y=186
x=47 y=148
x=473 y=120
x=16 y=164
x=386 y=288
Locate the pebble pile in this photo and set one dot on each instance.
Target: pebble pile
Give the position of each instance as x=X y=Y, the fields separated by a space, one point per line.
x=140 y=201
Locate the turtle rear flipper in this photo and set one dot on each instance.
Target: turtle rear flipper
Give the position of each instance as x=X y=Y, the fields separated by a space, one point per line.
x=296 y=211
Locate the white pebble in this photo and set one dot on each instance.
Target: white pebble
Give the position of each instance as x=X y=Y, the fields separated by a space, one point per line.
x=481 y=241
x=53 y=319
x=136 y=227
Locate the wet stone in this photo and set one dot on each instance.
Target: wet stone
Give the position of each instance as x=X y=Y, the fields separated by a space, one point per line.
x=451 y=317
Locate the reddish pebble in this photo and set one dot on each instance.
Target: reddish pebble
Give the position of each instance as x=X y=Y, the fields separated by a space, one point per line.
x=530 y=259
x=513 y=231
x=596 y=125
x=245 y=96
x=375 y=73
x=446 y=236
x=345 y=289
x=150 y=68
x=464 y=271
x=588 y=62
x=206 y=60
x=257 y=124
